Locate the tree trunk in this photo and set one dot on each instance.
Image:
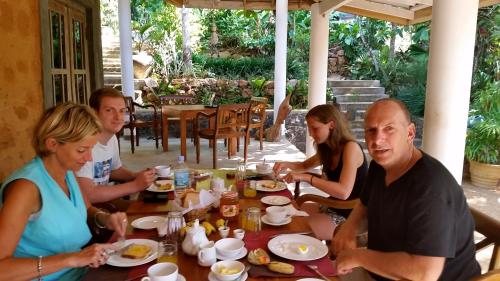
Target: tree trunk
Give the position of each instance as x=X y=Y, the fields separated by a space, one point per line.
x=186 y=48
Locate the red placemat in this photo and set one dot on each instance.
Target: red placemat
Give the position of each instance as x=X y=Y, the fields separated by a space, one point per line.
x=284 y=192
x=260 y=240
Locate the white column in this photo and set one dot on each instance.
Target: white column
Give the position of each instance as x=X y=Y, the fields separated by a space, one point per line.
x=449 y=81
x=280 y=56
x=127 y=67
x=318 y=65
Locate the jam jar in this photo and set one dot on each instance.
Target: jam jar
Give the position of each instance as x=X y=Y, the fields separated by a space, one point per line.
x=252 y=219
x=229 y=205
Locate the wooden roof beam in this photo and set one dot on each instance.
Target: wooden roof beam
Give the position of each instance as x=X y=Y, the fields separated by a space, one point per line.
x=382 y=9
x=328 y=5
x=486 y=3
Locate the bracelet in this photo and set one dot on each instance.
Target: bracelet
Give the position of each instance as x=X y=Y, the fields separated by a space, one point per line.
x=96 y=220
x=39 y=268
x=311 y=181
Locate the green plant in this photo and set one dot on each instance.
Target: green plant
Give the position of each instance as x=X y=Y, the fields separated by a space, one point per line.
x=482 y=143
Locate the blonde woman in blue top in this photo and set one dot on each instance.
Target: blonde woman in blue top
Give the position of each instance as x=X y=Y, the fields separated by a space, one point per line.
x=43 y=214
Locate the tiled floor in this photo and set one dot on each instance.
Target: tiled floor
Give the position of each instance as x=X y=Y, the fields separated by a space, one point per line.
x=146 y=155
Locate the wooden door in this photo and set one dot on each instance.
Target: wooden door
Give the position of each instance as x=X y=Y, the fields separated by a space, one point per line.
x=69 y=53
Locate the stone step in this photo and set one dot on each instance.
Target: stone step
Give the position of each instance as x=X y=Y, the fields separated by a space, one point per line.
x=352 y=83
x=358 y=90
x=111 y=53
x=112 y=69
x=359 y=97
x=111 y=61
x=117 y=80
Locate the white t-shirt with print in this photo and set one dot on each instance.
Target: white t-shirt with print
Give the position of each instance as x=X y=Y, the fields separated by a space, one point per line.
x=105 y=158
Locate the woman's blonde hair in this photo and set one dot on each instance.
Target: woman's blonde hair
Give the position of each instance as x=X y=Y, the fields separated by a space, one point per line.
x=66 y=123
x=338 y=137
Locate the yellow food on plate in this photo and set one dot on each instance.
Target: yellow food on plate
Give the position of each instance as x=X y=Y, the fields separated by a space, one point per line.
x=136 y=251
x=303 y=249
x=270 y=185
x=281 y=267
x=258 y=257
x=227 y=271
x=166 y=186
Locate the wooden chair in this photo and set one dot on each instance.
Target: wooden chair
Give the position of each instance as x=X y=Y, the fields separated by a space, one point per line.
x=173 y=100
x=135 y=122
x=490 y=228
x=258 y=116
x=231 y=121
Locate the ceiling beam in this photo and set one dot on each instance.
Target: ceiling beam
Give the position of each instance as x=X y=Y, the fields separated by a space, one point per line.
x=374 y=15
x=249 y=5
x=486 y=3
x=422 y=15
x=425 y=2
x=328 y=5
x=382 y=9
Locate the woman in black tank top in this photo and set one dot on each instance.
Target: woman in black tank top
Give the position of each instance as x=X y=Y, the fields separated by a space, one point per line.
x=344 y=165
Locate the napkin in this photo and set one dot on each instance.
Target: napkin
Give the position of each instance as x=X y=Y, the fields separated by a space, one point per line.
x=291 y=211
x=206 y=199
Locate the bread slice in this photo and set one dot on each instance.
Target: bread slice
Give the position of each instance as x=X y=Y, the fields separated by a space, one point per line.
x=136 y=251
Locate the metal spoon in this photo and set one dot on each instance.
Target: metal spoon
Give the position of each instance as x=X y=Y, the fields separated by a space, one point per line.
x=315 y=269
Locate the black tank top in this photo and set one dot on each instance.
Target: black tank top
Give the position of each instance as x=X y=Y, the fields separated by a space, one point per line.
x=334 y=175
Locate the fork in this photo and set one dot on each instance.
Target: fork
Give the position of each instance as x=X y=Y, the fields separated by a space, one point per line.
x=315 y=269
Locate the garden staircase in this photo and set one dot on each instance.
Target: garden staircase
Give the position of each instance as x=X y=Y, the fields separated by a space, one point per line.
x=112 y=63
x=354 y=97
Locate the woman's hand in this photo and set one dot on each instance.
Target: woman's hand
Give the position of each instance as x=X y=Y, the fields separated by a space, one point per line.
x=117 y=222
x=280 y=166
x=94 y=256
x=294 y=177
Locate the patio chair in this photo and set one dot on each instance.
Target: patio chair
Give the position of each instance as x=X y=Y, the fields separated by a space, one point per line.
x=258 y=116
x=136 y=123
x=490 y=228
x=173 y=100
x=231 y=121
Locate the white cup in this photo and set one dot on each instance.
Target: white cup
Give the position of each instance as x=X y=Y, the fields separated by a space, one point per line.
x=163 y=170
x=224 y=231
x=206 y=254
x=239 y=233
x=276 y=214
x=165 y=271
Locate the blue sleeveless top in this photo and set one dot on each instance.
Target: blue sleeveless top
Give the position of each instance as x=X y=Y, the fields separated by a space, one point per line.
x=61 y=224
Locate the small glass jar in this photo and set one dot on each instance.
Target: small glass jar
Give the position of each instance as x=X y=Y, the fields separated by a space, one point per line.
x=241 y=171
x=229 y=205
x=252 y=219
x=175 y=221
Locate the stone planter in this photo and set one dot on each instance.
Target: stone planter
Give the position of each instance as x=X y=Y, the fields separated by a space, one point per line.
x=485 y=175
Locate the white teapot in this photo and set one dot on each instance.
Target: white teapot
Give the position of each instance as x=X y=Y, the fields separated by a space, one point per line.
x=195 y=236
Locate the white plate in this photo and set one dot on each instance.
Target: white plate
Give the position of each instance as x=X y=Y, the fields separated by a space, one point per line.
x=154 y=188
x=266 y=220
x=117 y=260
x=275 y=200
x=279 y=185
x=150 y=222
x=310 y=279
x=212 y=277
x=286 y=246
x=240 y=255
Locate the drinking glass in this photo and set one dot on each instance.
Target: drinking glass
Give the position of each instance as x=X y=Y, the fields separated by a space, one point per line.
x=167 y=251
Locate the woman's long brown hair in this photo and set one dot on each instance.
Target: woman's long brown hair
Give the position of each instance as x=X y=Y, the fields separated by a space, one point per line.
x=339 y=136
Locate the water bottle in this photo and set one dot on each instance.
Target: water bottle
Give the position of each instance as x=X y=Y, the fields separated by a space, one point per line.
x=181 y=176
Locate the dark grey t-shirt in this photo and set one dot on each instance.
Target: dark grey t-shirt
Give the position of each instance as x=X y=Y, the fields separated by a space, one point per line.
x=424 y=212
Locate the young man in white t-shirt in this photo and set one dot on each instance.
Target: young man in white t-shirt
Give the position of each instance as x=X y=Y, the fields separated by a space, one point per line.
x=94 y=177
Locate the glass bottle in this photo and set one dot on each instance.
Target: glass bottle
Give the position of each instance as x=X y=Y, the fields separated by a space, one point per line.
x=241 y=171
x=181 y=177
x=252 y=219
x=250 y=190
x=229 y=205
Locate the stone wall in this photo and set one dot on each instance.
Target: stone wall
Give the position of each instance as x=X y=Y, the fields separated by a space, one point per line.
x=21 y=104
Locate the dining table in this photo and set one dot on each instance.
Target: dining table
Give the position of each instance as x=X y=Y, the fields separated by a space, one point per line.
x=188 y=265
x=185 y=113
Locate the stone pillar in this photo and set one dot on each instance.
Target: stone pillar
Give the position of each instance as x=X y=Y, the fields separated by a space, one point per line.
x=449 y=81
x=318 y=65
x=127 y=66
x=280 y=56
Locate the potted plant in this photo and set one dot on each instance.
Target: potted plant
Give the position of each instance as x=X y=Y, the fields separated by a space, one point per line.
x=483 y=137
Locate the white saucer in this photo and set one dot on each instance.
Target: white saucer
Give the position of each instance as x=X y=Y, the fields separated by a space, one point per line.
x=211 y=277
x=180 y=277
x=265 y=220
x=240 y=255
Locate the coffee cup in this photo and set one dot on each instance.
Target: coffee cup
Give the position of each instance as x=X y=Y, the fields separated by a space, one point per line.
x=263 y=168
x=239 y=233
x=206 y=254
x=162 y=171
x=276 y=214
x=165 y=271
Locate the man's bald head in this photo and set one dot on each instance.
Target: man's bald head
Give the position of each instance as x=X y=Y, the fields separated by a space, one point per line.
x=398 y=103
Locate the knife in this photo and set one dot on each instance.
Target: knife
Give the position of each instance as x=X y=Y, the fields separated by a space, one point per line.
x=303 y=233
